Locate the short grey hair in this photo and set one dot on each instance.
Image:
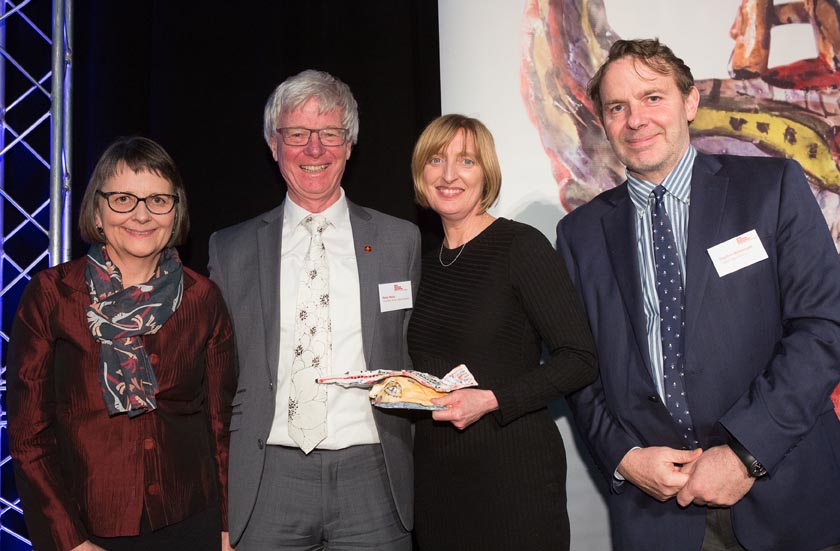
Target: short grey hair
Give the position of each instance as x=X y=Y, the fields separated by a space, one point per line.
x=293 y=92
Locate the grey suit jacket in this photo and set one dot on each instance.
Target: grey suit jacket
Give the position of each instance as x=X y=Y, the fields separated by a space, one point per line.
x=245 y=263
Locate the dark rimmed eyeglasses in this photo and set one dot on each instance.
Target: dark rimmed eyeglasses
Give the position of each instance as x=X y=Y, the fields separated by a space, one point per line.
x=295 y=135
x=124 y=202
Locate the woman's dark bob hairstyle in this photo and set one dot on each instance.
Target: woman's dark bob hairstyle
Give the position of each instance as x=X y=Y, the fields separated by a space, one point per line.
x=137 y=154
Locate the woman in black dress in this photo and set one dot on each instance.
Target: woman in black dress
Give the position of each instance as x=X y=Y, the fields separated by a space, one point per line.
x=491 y=468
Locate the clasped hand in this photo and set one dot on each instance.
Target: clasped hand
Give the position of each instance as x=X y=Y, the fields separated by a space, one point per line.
x=715 y=477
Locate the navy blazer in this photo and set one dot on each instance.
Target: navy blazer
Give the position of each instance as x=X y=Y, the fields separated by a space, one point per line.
x=762 y=354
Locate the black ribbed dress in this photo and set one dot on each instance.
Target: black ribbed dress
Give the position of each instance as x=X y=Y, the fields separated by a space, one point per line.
x=501 y=482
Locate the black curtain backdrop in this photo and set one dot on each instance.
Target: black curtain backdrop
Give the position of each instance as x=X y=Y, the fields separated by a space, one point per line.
x=195 y=76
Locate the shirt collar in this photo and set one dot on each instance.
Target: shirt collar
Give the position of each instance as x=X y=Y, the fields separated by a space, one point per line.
x=294 y=213
x=677 y=182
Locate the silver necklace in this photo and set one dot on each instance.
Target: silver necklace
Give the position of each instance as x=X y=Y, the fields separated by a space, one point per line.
x=440 y=255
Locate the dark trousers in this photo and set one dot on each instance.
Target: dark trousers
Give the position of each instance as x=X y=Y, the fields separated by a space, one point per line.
x=720 y=536
x=199 y=532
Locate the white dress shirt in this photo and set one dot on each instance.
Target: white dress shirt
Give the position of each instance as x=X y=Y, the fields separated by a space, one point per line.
x=349 y=413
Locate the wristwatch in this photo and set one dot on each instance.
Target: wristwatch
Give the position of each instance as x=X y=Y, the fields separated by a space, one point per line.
x=754 y=468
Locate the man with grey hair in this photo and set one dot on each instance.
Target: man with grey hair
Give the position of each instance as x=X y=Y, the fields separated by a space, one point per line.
x=317 y=286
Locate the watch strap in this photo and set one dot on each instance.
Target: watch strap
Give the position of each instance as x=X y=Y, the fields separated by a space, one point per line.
x=754 y=468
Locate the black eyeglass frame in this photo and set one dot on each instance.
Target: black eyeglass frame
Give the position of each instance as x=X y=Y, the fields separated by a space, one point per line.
x=345 y=135
x=108 y=194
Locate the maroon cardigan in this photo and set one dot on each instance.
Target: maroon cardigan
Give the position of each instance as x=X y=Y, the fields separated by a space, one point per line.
x=81 y=472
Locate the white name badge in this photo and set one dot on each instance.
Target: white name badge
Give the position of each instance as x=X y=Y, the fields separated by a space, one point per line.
x=394 y=296
x=736 y=253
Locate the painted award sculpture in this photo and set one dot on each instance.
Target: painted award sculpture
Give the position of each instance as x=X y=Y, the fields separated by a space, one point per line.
x=405 y=389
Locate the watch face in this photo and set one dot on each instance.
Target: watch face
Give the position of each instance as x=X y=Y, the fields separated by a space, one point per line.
x=757 y=470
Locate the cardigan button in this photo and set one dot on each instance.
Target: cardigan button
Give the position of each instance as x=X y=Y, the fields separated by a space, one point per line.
x=153 y=359
x=153 y=489
x=148 y=444
x=260 y=443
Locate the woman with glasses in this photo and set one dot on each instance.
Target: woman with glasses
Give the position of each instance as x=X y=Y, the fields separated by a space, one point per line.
x=490 y=468
x=121 y=376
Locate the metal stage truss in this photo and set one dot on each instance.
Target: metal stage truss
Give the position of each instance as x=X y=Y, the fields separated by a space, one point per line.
x=35 y=124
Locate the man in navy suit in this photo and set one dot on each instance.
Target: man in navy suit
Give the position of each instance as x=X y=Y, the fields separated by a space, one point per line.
x=712 y=417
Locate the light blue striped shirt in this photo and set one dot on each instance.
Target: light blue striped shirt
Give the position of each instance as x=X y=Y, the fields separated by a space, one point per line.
x=677 y=199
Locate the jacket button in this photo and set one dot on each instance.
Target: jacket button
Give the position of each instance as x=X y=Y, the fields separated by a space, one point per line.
x=154 y=358
x=148 y=443
x=653 y=398
x=260 y=443
x=153 y=489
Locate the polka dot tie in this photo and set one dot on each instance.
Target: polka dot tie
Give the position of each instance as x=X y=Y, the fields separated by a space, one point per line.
x=669 y=289
x=313 y=347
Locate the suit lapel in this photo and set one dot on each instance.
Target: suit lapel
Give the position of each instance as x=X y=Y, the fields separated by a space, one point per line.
x=364 y=234
x=620 y=233
x=269 y=241
x=708 y=198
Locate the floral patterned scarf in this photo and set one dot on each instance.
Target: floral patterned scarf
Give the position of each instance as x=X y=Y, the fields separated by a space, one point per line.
x=117 y=317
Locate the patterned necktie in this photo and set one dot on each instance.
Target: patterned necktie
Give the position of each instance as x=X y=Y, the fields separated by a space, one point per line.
x=308 y=399
x=669 y=289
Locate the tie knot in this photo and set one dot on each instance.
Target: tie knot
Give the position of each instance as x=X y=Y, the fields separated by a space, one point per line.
x=659 y=192
x=315 y=223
